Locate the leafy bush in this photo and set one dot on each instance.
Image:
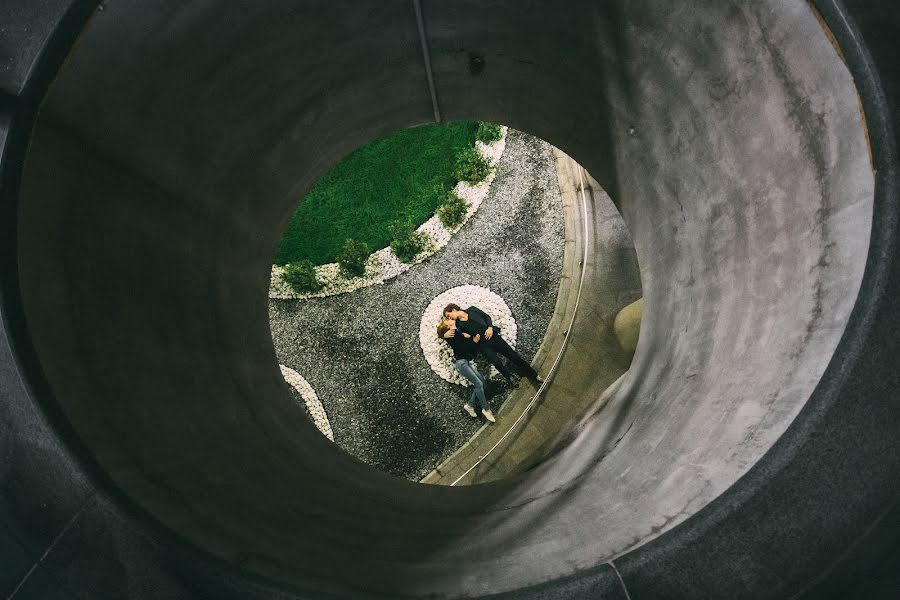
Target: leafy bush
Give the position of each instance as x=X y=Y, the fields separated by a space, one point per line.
x=471 y=166
x=352 y=259
x=488 y=132
x=453 y=210
x=407 y=243
x=301 y=277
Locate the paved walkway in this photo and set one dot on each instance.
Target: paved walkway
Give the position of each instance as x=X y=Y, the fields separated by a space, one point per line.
x=591 y=361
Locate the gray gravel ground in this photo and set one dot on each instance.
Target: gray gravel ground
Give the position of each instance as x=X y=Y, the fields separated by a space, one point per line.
x=361 y=353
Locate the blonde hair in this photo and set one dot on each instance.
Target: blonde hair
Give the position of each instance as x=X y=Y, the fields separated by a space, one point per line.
x=443 y=328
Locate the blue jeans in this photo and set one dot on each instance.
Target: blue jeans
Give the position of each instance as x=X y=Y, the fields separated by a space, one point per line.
x=471 y=373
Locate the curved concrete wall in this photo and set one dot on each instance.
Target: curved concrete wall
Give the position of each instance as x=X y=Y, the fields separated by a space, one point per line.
x=166 y=161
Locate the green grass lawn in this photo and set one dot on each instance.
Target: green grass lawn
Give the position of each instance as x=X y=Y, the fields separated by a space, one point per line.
x=391 y=179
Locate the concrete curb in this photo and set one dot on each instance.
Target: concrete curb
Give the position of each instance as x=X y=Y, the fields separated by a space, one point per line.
x=557 y=408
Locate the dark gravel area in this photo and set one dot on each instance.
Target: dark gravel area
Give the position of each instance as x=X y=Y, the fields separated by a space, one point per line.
x=360 y=351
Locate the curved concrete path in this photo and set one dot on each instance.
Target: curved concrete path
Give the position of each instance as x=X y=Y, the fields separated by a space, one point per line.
x=591 y=359
x=751 y=451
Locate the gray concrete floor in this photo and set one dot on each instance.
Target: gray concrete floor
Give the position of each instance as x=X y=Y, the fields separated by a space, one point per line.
x=361 y=353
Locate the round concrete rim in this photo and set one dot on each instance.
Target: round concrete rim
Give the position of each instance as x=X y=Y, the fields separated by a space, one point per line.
x=782 y=457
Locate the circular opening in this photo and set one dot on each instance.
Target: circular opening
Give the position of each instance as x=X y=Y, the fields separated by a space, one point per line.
x=147 y=229
x=467 y=213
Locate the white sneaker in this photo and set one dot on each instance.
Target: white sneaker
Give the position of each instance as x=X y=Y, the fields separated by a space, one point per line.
x=488 y=415
x=470 y=410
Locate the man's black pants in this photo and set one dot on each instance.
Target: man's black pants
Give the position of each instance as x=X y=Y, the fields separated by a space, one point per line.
x=494 y=347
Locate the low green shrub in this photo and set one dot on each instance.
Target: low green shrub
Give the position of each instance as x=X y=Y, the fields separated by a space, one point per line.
x=488 y=132
x=301 y=277
x=471 y=166
x=352 y=259
x=407 y=243
x=453 y=210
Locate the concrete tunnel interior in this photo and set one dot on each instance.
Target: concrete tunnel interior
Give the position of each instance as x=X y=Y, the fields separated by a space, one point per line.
x=169 y=153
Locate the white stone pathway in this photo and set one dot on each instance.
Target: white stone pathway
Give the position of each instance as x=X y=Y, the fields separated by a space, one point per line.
x=313 y=404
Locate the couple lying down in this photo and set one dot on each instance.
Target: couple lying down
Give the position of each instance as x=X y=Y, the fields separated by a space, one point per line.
x=472 y=331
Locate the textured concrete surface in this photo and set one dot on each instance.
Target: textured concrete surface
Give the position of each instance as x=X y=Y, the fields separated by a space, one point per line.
x=26 y=36
x=750 y=452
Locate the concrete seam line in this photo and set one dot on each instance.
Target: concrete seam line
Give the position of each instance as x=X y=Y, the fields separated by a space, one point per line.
x=848 y=551
x=426 y=55
x=52 y=545
x=621 y=581
x=562 y=349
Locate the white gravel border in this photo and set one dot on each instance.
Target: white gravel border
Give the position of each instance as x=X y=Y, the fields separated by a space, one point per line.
x=313 y=404
x=383 y=265
x=437 y=352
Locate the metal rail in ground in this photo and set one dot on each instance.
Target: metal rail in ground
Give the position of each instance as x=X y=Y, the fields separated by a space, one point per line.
x=562 y=348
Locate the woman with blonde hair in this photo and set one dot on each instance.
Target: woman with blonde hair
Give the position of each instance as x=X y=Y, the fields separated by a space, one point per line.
x=464 y=350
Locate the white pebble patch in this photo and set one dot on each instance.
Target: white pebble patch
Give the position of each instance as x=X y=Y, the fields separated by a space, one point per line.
x=313 y=404
x=437 y=352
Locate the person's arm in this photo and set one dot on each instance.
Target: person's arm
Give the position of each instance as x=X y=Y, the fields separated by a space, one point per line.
x=463 y=346
x=456 y=344
x=480 y=315
x=485 y=318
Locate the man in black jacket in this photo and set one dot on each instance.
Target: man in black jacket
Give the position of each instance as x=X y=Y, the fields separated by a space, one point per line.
x=477 y=324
